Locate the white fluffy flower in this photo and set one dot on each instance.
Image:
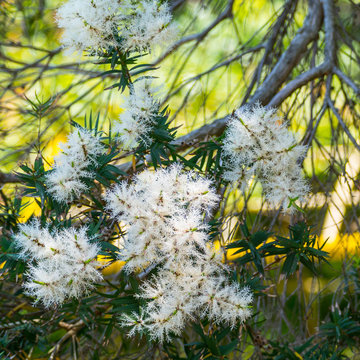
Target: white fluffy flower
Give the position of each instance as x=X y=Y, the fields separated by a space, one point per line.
x=134 y=321
x=226 y=303
x=149 y=27
x=257 y=143
x=164 y=212
x=155 y=206
x=139 y=115
x=88 y=23
x=99 y=24
x=64 y=262
x=65 y=182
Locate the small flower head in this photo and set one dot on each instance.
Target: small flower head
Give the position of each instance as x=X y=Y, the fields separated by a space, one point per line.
x=97 y=25
x=164 y=211
x=139 y=116
x=149 y=27
x=88 y=23
x=226 y=303
x=134 y=321
x=257 y=143
x=63 y=262
x=73 y=164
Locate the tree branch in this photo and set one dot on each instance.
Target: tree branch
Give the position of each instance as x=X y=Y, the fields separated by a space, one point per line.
x=273 y=82
x=218 y=66
x=298 y=82
x=330 y=44
x=72 y=330
x=291 y=57
x=226 y=14
x=342 y=123
x=8 y=178
x=347 y=80
x=288 y=11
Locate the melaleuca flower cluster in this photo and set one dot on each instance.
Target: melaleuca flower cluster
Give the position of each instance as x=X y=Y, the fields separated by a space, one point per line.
x=148 y=26
x=163 y=212
x=257 y=144
x=97 y=25
x=75 y=163
x=63 y=263
x=139 y=116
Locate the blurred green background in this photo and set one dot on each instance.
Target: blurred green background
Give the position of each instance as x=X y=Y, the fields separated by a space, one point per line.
x=202 y=81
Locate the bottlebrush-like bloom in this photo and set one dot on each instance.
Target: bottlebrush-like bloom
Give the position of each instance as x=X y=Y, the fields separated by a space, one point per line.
x=64 y=262
x=139 y=116
x=164 y=213
x=223 y=301
x=149 y=27
x=72 y=165
x=257 y=143
x=99 y=24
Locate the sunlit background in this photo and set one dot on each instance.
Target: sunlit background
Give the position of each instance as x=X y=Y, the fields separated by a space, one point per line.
x=201 y=80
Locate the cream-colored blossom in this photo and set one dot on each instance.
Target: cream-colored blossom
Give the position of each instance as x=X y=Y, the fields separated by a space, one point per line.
x=138 y=117
x=63 y=266
x=164 y=211
x=96 y=25
x=258 y=144
x=72 y=165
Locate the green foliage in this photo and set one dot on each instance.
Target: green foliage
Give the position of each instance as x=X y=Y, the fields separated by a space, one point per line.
x=265 y=259
x=298 y=248
x=341 y=329
x=96 y=317
x=161 y=136
x=207 y=158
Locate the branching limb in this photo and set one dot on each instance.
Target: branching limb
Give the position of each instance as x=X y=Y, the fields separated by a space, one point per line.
x=273 y=82
x=288 y=11
x=298 y=82
x=226 y=14
x=342 y=123
x=6 y=178
x=347 y=80
x=72 y=330
x=291 y=57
